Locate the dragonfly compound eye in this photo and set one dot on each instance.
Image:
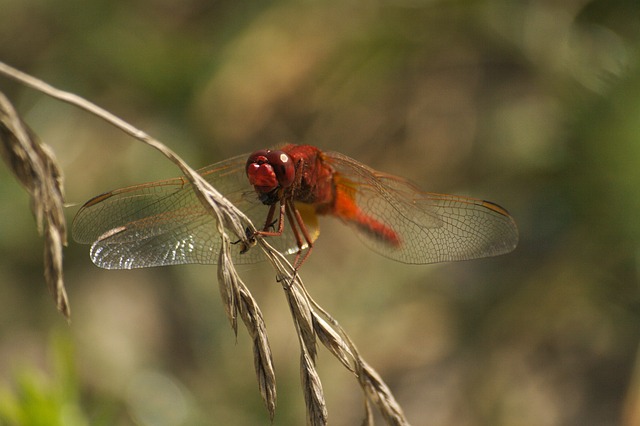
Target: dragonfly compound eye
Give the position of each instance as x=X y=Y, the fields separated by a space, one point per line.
x=260 y=173
x=283 y=167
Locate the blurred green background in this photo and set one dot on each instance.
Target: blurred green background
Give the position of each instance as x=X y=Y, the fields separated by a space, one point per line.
x=533 y=105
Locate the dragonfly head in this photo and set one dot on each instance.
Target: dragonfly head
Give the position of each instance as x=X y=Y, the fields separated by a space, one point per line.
x=269 y=170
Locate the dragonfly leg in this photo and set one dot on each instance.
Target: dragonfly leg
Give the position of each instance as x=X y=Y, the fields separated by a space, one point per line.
x=270 y=222
x=297 y=223
x=294 y=228
x=269 y=219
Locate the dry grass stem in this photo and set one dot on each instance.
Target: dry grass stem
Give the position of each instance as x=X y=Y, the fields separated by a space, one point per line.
x=263 y=361
x=307 y=313
x=317 y=414
x=212 y=200
x=35 y=166
x=301 y=312
x=236 y=297
x=334 y=342
x=378 y=392
x=374 y=388
x=311 y=321
x=228 y=283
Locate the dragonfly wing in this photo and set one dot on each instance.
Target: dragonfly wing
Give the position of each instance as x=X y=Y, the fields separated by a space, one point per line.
x=138 y=246
x=163 y=223
x=431 y=227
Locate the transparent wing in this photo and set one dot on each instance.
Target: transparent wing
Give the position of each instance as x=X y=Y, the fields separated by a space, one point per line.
x=431 y=227
x=163 y=223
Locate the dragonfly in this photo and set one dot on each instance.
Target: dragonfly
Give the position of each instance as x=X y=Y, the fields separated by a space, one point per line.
x=284 y=190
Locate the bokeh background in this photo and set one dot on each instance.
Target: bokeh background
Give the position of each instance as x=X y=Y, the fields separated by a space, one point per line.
x=532 y=104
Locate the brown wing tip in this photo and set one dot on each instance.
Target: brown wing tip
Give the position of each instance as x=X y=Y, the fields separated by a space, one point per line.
x=496 y=208
x=98 y=199
x=510 y=240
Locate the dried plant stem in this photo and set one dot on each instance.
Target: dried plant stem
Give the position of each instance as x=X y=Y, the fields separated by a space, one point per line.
x=237 y=298
x=35 y=166
x=311 y=321
x=213 y=201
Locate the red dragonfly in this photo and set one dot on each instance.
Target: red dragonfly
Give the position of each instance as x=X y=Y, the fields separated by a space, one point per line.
x=163 y=222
